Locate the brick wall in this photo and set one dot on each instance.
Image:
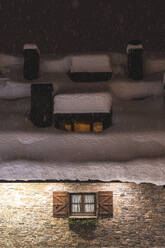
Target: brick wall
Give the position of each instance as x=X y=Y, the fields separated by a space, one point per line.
x=26 y=217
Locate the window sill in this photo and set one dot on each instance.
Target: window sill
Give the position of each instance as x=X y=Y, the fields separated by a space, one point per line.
x=83 y=217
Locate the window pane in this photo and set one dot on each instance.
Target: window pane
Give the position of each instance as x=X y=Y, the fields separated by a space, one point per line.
x=76 y=208
x=76 y=198
x=89 y=208
x=89 y=198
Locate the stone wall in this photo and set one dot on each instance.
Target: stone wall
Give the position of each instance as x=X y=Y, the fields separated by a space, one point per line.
x=26 y=217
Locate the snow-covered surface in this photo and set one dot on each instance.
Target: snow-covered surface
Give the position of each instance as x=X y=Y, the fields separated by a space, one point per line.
x=83 y=103
x=127 y=90
x=133 y=149
x=31 y=46
x=58 y=65
x=122 y=88
x=13 y=90
x=132 y=47
x=130 y=150
x=91 y=63
x=52 y=64
x=138 y=171
x=8 y=60
x=154 y=65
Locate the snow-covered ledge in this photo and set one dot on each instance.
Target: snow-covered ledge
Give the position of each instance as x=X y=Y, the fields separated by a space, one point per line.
x=138 y=171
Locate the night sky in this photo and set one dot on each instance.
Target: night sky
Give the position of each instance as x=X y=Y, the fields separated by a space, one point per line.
x=66 y=26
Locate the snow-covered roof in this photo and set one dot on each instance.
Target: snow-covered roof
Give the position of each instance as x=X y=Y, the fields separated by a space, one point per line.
x=31 y=46
x=91 y=63
x=83 y=103
x=133 y=47
x=138 y=171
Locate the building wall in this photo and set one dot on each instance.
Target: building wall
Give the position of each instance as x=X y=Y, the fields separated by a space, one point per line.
x=26 y=217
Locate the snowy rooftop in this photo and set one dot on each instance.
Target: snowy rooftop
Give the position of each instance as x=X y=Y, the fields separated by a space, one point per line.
x=87 y=63
x=132 y=47
x=133 y=149
x=99 y=102
x=30 y=46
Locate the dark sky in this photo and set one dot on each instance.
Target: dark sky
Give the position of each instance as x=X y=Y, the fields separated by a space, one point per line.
x=66 y=26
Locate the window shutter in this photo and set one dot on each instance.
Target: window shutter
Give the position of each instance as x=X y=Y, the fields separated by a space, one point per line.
x=60 y=204
x=105 y=203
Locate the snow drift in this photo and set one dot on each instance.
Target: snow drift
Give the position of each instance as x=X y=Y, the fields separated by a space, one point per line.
x=14 y=90
x=117 y=63
x=122 y=88
x=8 y=60
x=127 y=89
x=62 y=65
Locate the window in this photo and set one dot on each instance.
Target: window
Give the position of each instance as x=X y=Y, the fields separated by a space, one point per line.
x=82 y=204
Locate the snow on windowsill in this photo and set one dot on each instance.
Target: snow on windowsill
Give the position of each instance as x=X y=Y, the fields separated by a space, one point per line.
x=83 y=217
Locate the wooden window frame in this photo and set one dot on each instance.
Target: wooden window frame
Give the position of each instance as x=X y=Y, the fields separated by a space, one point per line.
x=103 y=205
x=82 y=212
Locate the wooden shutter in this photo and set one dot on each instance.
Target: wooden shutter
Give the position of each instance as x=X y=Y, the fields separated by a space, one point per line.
x=60 y=204
x=105 y=203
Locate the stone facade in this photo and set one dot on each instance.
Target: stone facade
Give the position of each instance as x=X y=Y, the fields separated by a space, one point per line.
x=26 y=217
